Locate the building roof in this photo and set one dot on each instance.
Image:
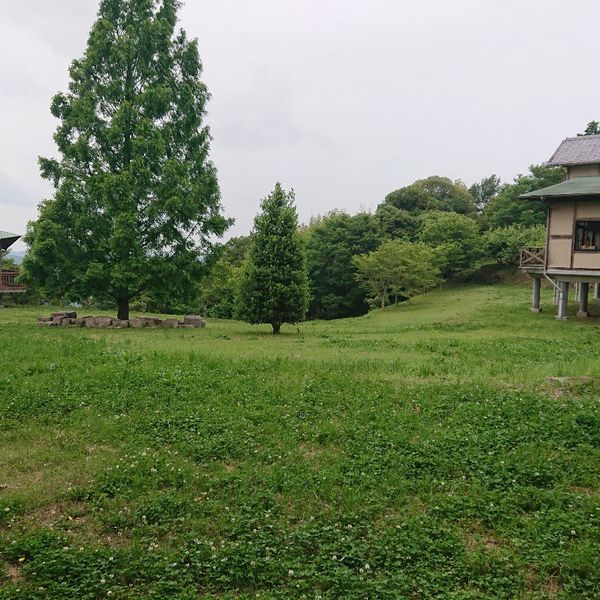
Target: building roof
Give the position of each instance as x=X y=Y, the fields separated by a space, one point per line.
x=580 y=150
x=7 y=239
x=580 y=186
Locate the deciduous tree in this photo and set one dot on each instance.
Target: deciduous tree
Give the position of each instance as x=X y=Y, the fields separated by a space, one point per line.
x=433 y=193
x=331 y=242
x=397 y=269
x=484 y=191
x=455 y=238
x=136 y=196
x=507 y=209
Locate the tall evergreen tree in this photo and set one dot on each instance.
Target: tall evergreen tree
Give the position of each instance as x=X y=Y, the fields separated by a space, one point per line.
x=136 y=197
x=274 y=286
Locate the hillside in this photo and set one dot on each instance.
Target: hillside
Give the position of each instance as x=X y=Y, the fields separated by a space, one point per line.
x=445 y=448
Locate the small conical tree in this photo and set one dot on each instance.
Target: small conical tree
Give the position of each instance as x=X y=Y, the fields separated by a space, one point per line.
x=136 y=197
x=274 y=287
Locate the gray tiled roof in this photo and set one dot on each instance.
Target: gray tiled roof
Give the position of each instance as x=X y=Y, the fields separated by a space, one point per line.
x=581 y=150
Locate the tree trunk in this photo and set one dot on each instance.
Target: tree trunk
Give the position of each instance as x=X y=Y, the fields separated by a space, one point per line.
x=123 y=312
x=276 y=328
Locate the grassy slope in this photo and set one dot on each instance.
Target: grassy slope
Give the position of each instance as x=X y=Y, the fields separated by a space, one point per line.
x=418 y=452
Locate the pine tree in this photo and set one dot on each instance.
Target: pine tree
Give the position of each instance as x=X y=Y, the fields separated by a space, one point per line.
x=274 y=287
x=136 y=197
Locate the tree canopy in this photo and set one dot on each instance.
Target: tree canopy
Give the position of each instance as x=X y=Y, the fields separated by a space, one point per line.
x=274 y=284
x=455 y=238
x=507 y=209
x=397 y=269
x=331 y=242
x=136 y=197
x=433 y=193
x=592 y=128
x=484 y=191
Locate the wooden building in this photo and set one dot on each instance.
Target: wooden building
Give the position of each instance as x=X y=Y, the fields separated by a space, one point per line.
x=8 y=277
x=572 y=251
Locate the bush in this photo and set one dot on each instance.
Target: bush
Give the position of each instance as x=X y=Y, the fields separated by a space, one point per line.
x=503 y=244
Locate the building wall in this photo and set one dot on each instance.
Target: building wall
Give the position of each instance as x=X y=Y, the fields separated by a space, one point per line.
x=583 y=171
x=560 y=235
x=561 y=229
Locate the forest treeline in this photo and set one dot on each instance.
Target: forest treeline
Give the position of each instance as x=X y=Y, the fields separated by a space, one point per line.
x=430 y=231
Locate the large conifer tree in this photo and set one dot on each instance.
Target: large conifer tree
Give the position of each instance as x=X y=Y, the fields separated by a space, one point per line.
x=274 y=286
x=136 y=197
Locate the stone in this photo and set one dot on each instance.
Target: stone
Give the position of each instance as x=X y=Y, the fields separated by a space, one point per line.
x=44 y=320
x=170 y=323
x=80 y=322
x=67 y=322
x=98 y=321
x=121 y=323
x=194 y=320
x=102 y=321
x=64 y=315
x=144 y=322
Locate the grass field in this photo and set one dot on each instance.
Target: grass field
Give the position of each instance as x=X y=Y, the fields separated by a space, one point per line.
x=447 y=448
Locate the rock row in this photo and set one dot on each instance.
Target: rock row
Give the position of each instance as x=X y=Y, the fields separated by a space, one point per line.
x=70 y=319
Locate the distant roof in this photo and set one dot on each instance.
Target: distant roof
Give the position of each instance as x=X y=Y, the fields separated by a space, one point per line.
x=7 y=239
x=580 y=186
x=580 y=150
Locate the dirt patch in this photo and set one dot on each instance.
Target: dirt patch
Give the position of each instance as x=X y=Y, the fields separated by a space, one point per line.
x=14 y=573
x=568 y=386
x=74 y=520
x=310 y=452
x=477 y=537
x=63 y=513
x=570 y=380
x=551 y=587
x=230 y=468
x=584 y=491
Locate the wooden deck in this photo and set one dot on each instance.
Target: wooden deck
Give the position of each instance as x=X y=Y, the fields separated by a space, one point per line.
x=8 y=283
x=532 y=260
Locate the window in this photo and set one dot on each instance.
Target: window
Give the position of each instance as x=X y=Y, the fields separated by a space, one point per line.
x=587 y=236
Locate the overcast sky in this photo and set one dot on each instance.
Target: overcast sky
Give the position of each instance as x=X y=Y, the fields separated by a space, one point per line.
x=343 y=100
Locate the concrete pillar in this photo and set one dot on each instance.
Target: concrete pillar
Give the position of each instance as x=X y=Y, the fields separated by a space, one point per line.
x=577 y=291
x=556 y=295
x=584 y=288
x=597 y=291
x=536 y=284
x=563 y=300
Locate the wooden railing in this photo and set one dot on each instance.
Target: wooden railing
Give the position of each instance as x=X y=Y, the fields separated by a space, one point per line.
x=8 y=282
x=532 y=258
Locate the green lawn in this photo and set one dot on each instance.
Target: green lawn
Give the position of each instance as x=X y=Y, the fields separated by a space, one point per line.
x=447 y=448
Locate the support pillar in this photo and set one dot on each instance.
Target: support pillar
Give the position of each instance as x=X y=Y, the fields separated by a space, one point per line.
x=563 y=300
x=556 y=295
x=536 y=284
x=577 y=291
x=597 y=291
x=584 y=288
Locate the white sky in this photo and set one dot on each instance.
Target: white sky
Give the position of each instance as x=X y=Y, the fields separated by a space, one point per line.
x=344 y=100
